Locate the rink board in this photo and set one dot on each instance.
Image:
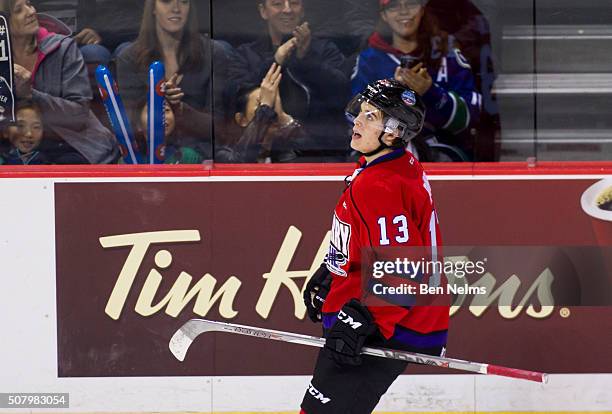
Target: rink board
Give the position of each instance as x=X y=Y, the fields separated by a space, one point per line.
x=51 y=338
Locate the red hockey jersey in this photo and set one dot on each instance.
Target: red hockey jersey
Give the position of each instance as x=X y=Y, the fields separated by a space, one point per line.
x=387 y=203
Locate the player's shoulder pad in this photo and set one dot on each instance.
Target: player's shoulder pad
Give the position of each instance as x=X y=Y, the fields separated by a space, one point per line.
x=460 y=58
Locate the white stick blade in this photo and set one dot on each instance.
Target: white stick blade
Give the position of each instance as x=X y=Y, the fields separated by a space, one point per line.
x=179 y=344
x=184 y=337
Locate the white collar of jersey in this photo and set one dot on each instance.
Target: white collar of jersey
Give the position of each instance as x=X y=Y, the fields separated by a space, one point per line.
x=350 y=179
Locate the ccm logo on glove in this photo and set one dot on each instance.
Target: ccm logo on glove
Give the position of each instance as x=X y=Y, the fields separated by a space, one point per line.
x=348 y=320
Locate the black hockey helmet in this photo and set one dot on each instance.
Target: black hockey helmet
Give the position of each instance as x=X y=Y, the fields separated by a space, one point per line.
x=403 y=109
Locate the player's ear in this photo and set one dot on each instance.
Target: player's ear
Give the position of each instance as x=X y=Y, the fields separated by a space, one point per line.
x=389 y=138
x=241 y=119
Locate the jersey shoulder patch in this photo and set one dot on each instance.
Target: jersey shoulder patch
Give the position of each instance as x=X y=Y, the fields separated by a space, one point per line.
x=338 y=253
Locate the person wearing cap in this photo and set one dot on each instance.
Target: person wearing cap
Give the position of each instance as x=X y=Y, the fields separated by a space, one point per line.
x=411 y=48
x=387 y=203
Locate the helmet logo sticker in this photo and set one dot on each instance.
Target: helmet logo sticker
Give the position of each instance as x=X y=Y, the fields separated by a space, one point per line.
x=409 y=98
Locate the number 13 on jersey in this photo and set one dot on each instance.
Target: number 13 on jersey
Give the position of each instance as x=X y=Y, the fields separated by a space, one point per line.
x=400 y=224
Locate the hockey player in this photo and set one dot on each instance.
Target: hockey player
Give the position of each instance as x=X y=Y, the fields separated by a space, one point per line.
x=387 y=202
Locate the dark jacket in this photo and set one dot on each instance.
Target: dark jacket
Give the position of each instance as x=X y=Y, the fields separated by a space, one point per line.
x=284 y=144
x=197 y=83
x=201 y=93
x=313 y=90
x=14 y=157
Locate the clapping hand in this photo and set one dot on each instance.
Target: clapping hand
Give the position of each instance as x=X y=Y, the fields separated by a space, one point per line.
x=269 y=86
x=285 y=50
x=303 y=37
x=416 y=78
x=172 y=91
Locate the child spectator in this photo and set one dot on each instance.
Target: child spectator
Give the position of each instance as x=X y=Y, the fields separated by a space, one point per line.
x=266 y=132
x=179 y=129
x=169 y=33
x=412 y=49
x=314 y=87
x=25 y=136
x=49 y=69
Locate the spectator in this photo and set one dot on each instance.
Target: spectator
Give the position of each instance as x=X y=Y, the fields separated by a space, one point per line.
x=313 y=88
x=266 y=132
x=49 y=69
x=470 y=28
x=25 y=137
x=169 y=33
x=99 y=26
x=179 y=129
x=443 y=77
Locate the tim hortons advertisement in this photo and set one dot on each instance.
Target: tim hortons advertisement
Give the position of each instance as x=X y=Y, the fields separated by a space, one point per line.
x=137 y=260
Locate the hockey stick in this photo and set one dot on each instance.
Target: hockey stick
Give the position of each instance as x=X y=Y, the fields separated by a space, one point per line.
x=184 y=337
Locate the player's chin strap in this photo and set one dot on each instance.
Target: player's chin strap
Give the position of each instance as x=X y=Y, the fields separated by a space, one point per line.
x=381 y=147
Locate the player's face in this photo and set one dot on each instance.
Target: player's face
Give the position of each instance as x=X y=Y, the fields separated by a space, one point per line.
x=169 y=119
x=282 y=16
x=171 y=15
x=404 y=17
x=23 y=19
x=367 y=128
x=27 y=134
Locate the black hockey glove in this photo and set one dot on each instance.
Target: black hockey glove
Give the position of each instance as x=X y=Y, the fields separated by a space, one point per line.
x=316 y=291
x=348 y=334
